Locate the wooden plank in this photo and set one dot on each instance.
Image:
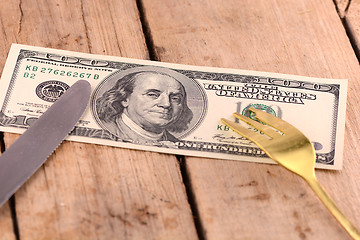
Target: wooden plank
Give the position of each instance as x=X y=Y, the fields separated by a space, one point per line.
x=6 y=226
x=352 y=21
x=6 y=21
x=238 y=200
x=86 y=191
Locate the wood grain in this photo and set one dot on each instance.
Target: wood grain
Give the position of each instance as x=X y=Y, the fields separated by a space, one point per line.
x=352 y=21
x=6 y=226
x=6 y=37
x=85 y=191
x=238 y=200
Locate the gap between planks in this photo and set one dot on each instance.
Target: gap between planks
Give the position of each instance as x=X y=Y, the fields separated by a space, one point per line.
x=342 y=8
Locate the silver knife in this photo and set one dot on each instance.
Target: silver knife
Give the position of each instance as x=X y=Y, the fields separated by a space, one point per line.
x=37 y=143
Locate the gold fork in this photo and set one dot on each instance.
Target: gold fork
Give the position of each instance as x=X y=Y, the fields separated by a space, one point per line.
x=292 y=150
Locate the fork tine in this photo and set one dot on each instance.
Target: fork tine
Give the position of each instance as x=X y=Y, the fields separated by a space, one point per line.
x=271 y=120
x=265 y=129
x=251 y=135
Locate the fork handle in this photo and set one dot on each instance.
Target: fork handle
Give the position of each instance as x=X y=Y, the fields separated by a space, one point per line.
x=335 y=211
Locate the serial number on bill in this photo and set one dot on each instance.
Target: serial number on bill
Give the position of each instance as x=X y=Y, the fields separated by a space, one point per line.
x=31 y=71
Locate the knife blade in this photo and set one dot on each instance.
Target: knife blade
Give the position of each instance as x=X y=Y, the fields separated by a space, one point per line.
x=38 y=142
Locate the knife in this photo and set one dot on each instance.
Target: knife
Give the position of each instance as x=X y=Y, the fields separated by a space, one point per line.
x=37 y=143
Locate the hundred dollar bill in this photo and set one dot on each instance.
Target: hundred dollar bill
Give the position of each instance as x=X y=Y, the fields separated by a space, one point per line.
x=171 y=108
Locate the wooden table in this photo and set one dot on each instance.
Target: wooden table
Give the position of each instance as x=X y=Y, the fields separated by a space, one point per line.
x=87 y=191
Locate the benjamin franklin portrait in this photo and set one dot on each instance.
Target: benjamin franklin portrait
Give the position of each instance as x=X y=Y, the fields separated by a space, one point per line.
x=145 y=107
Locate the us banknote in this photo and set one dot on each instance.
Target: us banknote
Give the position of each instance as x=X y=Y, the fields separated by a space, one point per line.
x=170 y=108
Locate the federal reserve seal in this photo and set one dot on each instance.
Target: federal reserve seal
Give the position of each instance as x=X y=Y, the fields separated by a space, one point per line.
x=50 y=91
